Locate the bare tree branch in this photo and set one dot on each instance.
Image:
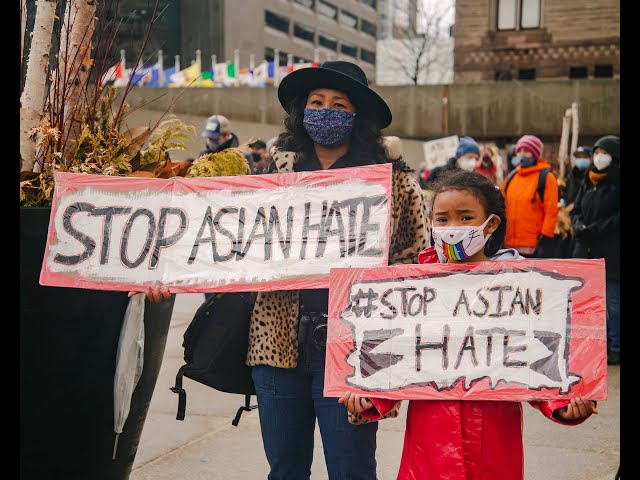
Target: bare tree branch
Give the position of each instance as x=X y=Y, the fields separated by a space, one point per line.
x=419 y=40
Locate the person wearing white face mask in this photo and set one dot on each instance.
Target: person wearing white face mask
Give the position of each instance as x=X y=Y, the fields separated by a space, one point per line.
x=596 y=222
x=467 y=154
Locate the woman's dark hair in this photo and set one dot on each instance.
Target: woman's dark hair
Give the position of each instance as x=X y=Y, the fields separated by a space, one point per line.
x=366 y=138
x=484 y=190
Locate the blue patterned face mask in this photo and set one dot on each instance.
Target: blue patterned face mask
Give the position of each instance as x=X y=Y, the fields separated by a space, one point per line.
x=328 y=127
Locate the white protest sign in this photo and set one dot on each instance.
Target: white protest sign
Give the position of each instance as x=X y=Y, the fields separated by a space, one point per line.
x=246 y=233
x=437 y=152
x=507 y=327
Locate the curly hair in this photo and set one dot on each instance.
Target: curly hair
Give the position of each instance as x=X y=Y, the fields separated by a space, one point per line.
x=484 y=190
x=366 y=138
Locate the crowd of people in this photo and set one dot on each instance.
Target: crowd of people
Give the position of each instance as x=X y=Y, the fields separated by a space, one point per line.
x=576 y=218
x=334 y=120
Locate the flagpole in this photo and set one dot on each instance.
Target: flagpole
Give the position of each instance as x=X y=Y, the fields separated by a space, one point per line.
x=122 y=60
x=276 y=67
x=252 y=66
x=289 y=61
x=316 y=55
x=236 y=66
x=177 y=64
x=160 y=68
x=199 y=63
x=215 y=80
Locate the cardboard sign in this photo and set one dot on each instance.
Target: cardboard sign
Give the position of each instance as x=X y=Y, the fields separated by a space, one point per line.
x=504 y=330
x=243 y=233
x=437 y=152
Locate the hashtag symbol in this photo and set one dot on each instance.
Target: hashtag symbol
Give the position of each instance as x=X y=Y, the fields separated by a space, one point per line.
x=359 y=310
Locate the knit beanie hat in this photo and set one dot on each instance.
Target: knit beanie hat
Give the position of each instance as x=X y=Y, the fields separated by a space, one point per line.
x=611 y=144
x=467 y=145
x=531 y=144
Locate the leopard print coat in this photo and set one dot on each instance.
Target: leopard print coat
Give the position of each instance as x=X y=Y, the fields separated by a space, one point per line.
x=274 y=320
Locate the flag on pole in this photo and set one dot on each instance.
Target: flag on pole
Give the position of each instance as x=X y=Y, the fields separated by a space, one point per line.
x=167 y=75
x=245 y=77
x=152 y=76
x=261 y=74
x=207 y=79
x=185 y=77
x=224 y=74
x=111 y=74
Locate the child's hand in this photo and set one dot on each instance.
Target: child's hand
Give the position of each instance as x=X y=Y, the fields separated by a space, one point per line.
x=155 y=294
x=355 y=403
x=578 y=409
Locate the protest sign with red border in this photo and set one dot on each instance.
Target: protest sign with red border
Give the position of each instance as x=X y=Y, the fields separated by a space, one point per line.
x=500 y=330
x=216 y=234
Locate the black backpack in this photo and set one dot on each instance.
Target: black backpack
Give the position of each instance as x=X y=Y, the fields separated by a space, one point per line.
x=542 y=179
x=215 y=349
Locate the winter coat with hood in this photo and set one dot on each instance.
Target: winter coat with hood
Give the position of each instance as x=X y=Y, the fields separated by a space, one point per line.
x=596 y=220
x=462 y=440
x=529 y=216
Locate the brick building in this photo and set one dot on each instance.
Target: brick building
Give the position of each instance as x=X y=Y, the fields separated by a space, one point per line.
x=536 y=39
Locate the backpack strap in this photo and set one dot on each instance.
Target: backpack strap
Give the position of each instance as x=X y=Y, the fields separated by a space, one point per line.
x=542 y=179
x=182 y=395
x=247 y=408
x=509 y=178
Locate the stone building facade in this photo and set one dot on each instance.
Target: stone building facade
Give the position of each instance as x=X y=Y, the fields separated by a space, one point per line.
x=536 y=39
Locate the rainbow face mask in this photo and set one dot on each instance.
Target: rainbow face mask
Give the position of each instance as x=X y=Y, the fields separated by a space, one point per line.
x=459 y=243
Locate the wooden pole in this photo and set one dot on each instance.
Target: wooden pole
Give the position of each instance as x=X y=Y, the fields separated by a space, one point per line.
x=564 y=144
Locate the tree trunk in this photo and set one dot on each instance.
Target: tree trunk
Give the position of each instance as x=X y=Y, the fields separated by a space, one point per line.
x=33 y=95
x=74 y=57
x=23 y=24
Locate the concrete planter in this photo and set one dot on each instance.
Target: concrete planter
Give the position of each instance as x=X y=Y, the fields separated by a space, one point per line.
x=68 y=345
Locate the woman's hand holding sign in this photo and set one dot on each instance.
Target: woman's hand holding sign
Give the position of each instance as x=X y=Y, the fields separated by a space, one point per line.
x=155 y=294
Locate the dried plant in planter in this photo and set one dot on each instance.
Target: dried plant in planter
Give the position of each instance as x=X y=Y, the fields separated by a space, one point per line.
x=226 y=163
x=105 y=147
x=81 y=125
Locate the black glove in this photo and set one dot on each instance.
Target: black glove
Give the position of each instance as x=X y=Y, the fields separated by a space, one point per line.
x=581 y=230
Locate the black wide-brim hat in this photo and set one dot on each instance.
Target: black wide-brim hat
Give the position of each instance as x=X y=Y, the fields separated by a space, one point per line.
x=346 y=77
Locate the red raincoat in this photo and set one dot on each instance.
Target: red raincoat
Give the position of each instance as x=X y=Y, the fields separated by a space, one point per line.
x=463 y=440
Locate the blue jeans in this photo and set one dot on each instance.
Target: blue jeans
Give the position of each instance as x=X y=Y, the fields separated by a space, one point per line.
x=613 y=316
x=289 y=401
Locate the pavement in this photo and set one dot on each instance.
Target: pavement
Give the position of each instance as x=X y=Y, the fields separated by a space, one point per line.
x=206 y=446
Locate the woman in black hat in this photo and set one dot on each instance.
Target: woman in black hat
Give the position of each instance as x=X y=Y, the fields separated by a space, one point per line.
x=333 y=121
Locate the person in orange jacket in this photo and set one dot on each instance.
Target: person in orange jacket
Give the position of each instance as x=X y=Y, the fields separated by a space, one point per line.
x=465 y=439
x=531 y=219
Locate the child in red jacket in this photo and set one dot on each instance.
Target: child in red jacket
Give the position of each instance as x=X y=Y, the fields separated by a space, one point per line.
x=465 y=440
